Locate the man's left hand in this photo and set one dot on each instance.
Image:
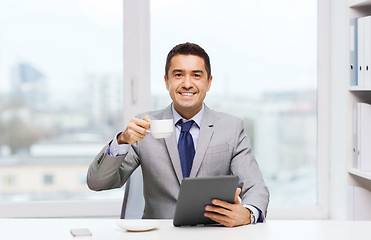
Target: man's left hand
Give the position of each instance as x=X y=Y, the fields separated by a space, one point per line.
x=228 y=214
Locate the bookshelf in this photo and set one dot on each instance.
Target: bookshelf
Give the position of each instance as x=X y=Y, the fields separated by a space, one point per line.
x=362 y=174
x=359 y=181
x=359 y=3
x=359 y=89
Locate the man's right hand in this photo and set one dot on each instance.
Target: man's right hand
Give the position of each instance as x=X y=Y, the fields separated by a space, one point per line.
x=135 y=131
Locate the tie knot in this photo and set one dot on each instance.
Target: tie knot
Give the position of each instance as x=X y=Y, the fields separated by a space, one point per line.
x=185 y=125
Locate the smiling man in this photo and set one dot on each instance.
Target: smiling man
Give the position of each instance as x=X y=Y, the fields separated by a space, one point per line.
x=205 y=143
x=187 y=81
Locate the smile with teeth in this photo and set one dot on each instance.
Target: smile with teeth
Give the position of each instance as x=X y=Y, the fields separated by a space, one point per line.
x=187 y=94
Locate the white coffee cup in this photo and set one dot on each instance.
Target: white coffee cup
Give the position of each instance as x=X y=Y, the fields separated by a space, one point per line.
x=162 y=128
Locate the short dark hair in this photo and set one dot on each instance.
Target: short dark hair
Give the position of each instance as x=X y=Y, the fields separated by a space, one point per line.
x=188 y=49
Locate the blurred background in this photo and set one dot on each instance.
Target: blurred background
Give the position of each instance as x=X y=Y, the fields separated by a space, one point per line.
x=61 y=87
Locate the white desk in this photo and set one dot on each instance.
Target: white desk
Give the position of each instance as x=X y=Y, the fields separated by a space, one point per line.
x=107 y=229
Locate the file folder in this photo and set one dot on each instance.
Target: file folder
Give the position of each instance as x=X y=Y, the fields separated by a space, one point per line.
x=355 y=134
x=353 y=52
x=361 y=50
x=364 y=137
x=367 y=51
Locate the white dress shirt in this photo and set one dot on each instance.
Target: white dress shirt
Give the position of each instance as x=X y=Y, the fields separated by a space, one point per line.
x=195 y=129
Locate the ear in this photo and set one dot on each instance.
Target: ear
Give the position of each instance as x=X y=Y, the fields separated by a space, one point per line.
x=166 y=82
x=209 y=83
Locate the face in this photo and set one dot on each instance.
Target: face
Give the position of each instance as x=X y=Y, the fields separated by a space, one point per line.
x=187 y=84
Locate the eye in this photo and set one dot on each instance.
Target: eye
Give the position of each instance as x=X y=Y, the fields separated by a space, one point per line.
x=197 y=75
x=178 y=75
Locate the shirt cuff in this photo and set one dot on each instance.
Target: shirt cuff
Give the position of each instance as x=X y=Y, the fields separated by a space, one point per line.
x=116 y=149
x=254 y=211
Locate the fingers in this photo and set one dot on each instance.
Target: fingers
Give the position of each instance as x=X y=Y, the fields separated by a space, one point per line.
x=146 y=118
x=139 y=126
x=235 y=216
x=220 y=219
x=218 y=210
x=135 y=131
x=228 y=214
x=222 y=204
x=237 y=194
x=227 y=205
x=223 y=216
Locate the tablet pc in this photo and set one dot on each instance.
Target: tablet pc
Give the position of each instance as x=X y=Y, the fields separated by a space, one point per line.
x=196 y=193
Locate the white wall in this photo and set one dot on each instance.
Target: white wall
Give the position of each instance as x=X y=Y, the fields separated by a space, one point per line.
x=340 y=112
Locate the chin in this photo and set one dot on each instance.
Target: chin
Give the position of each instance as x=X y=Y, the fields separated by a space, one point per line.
x=190 y=108
x=187 y=105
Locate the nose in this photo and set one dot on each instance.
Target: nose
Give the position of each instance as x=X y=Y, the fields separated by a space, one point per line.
x=187 y=83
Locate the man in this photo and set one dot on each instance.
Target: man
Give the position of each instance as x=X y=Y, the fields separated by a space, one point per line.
x=216 y=144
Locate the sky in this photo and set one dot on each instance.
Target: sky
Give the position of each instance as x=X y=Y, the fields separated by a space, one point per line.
x=254 y=46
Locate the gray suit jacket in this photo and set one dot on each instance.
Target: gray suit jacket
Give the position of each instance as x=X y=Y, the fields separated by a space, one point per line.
x=223 y=148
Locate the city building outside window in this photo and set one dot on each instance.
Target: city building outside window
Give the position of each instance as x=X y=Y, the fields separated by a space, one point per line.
x=61 y=101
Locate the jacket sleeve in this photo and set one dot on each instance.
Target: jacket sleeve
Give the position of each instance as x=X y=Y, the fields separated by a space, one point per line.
x=108 y=172
x=244 y=165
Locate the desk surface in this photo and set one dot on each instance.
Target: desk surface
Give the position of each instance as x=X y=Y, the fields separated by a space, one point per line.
x=107 y=229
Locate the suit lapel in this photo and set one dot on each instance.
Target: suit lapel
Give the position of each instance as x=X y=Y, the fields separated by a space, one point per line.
x=206 y=133
x=172 y=147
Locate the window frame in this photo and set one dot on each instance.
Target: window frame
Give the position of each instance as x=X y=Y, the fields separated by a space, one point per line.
x=322 y=209
x=136 y=81
x=137 y=84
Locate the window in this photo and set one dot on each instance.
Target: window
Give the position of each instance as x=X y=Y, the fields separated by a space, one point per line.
x=264 y=66
x=9 y=180
x=48 y=179
x=61 y=101
x=263 y=57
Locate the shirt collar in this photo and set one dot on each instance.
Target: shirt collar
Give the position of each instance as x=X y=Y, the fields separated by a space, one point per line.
x=197 y=118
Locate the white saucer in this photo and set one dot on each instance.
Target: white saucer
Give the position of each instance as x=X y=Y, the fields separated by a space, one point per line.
x=138 y=225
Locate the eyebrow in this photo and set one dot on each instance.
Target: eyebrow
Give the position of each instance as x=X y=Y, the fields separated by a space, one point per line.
x=177 y=70
x=198 y=71
x=193 y=71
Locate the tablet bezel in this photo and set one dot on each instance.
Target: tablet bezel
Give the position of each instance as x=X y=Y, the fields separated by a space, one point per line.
x=196 y=193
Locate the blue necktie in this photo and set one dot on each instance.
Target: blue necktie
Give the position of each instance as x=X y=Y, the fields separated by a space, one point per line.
x=185 y=147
